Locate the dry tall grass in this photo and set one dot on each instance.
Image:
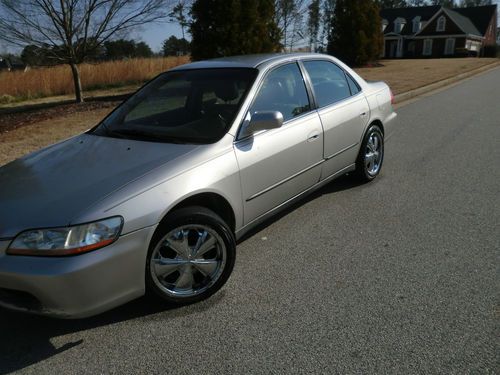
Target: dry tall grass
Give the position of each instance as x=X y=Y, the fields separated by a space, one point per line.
x=42 y=82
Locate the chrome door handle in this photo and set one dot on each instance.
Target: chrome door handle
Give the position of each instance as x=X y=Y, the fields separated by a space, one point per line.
x=313 y=137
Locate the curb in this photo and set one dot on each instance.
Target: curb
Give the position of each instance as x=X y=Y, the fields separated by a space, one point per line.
x=399 y=98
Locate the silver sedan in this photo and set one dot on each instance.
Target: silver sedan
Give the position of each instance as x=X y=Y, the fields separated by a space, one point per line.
x=155 y=197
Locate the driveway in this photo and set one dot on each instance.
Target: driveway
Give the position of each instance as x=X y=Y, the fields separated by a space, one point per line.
x=397 y=276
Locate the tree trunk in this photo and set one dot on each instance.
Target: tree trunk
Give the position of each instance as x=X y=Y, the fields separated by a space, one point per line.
x=77 y=82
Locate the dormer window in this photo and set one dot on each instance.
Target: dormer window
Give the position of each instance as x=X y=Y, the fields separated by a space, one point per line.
x=441 y=24
x=384 y=24
x=417 y=25
x=399 y=23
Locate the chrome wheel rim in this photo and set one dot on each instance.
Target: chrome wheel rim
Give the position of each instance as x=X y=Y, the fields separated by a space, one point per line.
x=188 y=260
x=373 y=154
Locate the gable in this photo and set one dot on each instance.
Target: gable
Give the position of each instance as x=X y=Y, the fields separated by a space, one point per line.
x=455 y=24
x=450 y=26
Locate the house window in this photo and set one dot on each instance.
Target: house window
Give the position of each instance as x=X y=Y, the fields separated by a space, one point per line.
x=384 y=25
x=417 y=25
x=399 y=23
x=449 y=48
x=441 y=24
x=427 y=47
x=397 y=27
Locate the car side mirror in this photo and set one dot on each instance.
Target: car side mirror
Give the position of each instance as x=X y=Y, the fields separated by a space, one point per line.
x=264 y=120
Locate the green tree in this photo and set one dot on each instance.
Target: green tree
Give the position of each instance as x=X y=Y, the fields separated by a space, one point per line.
x=474 y=3
x=417 y=3
x=328 y=8
x=121 y=48
x=384 y=4
x=142 y=49
x=444 y=3
x=356 y=36
x=313 y=23
x=176 y=47
x=232 y=27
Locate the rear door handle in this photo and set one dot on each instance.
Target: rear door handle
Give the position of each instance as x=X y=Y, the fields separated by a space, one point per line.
x=363 y=114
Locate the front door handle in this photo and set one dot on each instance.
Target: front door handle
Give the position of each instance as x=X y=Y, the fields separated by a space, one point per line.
x=312 y=137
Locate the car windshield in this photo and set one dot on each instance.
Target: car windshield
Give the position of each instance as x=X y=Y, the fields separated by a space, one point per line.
x=185 y=106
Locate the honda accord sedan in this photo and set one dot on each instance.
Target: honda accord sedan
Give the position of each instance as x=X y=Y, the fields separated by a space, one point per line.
x=154 y=198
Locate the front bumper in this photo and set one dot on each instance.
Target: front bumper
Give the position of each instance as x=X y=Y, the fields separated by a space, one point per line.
x=77 y=286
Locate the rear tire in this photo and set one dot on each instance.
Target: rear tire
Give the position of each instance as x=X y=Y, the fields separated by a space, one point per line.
x=191 y=256
x=371 y=155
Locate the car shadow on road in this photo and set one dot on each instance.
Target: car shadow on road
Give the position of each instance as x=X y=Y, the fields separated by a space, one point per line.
x=26 y=339
x=344 y=182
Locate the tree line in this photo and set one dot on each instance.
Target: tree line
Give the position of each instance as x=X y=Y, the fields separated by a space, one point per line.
x=73 y=31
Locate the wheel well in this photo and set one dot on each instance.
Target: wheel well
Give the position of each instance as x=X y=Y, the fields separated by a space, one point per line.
x=213 y=202
x=379 y=124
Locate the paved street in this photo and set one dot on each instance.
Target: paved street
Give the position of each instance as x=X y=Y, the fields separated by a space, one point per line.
x=397 y=276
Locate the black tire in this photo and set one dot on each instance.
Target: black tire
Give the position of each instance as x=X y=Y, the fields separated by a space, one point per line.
x=183 y=229
x=365 y=171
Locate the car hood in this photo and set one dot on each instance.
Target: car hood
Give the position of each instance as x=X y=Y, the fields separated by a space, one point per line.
x=50 y=187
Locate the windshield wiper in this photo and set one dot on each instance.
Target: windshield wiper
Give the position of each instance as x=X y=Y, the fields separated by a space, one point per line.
x=143 y=135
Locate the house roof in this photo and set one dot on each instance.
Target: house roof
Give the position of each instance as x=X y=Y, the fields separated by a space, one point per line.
x=425 y=14
x=463 y=22
x=4 y=63
x=472 y=20
x=480 y=16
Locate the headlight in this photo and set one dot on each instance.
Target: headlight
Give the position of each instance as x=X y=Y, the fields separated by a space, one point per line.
x=68 y=240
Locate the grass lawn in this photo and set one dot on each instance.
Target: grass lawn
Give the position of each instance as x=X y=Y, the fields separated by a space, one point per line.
x=406 y=75
x=401 y=75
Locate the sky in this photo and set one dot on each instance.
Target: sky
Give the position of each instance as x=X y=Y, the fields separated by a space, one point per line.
x=154 y=34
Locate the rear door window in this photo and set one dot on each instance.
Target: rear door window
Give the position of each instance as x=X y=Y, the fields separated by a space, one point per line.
x=329 y=82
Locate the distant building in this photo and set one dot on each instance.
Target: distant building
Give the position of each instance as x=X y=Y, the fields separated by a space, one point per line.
x=435 y=31
x=11 y=64
x=4 y=65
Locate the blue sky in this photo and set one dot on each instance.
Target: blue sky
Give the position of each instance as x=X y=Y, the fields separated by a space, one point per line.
x=154 y=34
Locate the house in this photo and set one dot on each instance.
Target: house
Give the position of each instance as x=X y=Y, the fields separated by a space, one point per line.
x=435 y=31
x=5 y=65
x=12 y=63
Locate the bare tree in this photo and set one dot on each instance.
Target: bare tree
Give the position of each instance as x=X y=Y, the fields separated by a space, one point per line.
x=68 y=31
x=289 y=18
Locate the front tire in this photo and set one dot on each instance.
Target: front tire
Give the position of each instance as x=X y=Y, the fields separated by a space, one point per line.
x=191 y=256
x=371 y=155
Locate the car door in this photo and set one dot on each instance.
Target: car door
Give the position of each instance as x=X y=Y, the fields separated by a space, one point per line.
x=276 y=165
x=343 y=111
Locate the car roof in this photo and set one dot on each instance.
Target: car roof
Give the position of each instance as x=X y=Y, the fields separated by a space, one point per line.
x=249 y=61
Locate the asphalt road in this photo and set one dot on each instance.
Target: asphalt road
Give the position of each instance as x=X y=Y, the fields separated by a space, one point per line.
x=396 y=276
